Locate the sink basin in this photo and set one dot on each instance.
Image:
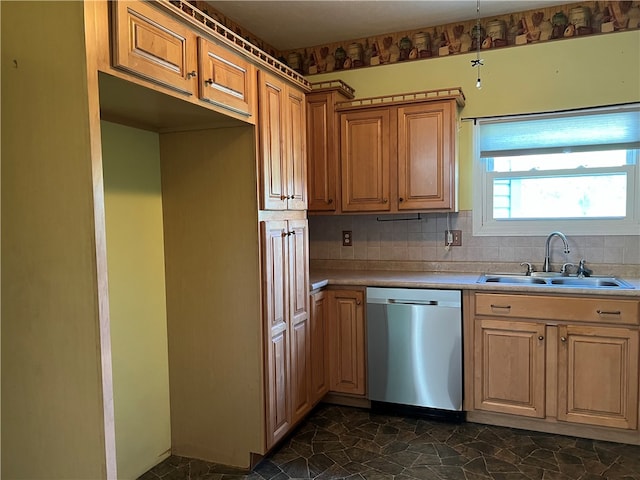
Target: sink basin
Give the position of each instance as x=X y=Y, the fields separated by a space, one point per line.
x=554 y=281
x=505 y=278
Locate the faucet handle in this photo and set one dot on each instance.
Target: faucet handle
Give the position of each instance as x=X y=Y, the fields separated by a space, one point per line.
x=565 y=267
x=530 y=268
x=582 y=270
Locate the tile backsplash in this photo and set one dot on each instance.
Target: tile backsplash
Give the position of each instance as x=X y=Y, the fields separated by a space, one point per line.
x=420 y=245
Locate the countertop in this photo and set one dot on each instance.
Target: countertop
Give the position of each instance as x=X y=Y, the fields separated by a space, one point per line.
x=453 y=281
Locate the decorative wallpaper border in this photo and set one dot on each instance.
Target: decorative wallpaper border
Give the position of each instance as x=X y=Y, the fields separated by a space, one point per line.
x=515 y=29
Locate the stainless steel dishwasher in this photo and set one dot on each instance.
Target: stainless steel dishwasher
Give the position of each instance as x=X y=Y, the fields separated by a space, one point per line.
x=414 y=346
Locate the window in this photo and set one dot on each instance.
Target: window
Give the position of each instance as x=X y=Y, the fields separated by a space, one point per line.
x=577 y=172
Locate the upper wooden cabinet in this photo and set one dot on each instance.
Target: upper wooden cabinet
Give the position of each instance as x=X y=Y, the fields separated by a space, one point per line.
x=322 y=144
x=282 y=145
x=399 y=155
x=226 y=79
x=364 y=152
x=148 y=43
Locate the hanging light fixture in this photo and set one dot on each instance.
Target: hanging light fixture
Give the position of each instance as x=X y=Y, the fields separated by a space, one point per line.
x=477 y=63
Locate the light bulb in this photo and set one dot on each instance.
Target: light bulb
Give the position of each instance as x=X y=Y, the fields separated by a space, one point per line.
x=478 y=84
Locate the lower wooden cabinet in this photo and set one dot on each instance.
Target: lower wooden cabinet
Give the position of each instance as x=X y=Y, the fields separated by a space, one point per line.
x=510 y=367
x=563 y=369
x=598 y=376
x=286 y=316
x=347 y=352
x=319 y=346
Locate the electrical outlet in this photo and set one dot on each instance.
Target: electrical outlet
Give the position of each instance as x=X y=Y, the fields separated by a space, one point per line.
x=347 y=238
x=453 y=238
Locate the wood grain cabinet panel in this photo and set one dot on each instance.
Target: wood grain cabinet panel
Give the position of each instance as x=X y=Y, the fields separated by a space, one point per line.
x=282 y=145
x=153 y=46
x=287 y=328
x=225 y=79
x=510 y=367
x=323 y=148
x=426 y=136
x=319 y=346
x=598 y=376
x=364 y=153
x=347 y=357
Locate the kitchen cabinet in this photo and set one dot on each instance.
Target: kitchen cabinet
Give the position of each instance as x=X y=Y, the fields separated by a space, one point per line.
x=399 y=156
x=598 y=375
x=570 y=360
x=150 y=44
x=319 y=346
x=322 y=144
x=287 y=328
x=226 y=79
x=347 y=350
x=282 y=145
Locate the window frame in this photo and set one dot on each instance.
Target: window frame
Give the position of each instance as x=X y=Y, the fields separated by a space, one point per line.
x=485 y=225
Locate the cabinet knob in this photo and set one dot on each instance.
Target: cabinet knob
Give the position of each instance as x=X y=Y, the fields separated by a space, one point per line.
x=540 y=337
x=209 y=82
x=330 y=201
x=385 y=200
x=563 y=339
x=358 y=302
x=401 y=199
x=192 y=74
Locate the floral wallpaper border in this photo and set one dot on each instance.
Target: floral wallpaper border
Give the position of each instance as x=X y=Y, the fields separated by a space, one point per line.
x=514 y=29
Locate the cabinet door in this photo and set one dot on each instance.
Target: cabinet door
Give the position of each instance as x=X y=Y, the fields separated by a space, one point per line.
x=321 y=152
x=150 y=45
x=297 y=235
x=509 y=362
x=296 y=152
x=272 y=128
x=598 y=376
x=226 y=79
x=364 y=153
x=319 y=346
x=276 y=319
x=426 y=156
x=347 y=343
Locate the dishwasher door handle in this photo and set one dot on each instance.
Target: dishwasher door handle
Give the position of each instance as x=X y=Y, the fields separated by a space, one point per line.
x=413 y=302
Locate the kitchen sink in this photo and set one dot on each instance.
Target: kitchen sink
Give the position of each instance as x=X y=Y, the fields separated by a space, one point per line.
x=554 y=281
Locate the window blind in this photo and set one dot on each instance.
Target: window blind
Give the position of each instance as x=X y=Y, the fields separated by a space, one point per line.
x=610 y=129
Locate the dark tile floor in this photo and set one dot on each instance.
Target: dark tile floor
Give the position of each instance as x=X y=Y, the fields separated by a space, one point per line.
x=349 y=443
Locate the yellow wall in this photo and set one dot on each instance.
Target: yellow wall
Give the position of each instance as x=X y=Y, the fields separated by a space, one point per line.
x=135 y=254
x=53 y=400
x=581 y=72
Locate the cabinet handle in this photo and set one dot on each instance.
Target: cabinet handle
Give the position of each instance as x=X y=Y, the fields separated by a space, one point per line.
x=401 y=199
x=604 y=312
x=191 y=74
x=563 y=339
x=293 y=232
x=208 y=82
x=540 y=337
x=501 y=307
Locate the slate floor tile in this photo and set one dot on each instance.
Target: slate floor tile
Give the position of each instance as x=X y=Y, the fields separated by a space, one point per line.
x=344 y=443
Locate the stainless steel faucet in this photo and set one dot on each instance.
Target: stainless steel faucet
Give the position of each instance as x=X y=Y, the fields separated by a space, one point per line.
x=546 y=266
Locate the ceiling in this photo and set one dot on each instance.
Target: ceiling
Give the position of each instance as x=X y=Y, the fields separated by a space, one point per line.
x=293 y=24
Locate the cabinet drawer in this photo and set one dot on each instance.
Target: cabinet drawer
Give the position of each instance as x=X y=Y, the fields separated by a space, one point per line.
x=559 y=308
